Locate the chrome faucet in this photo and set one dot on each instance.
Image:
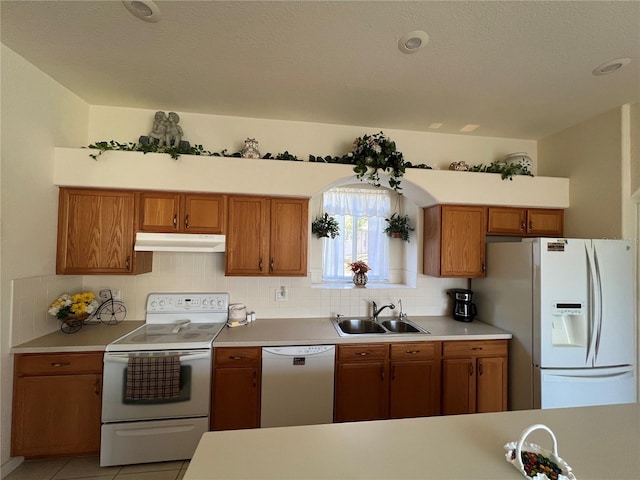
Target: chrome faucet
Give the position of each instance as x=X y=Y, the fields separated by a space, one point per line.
x=376 y=312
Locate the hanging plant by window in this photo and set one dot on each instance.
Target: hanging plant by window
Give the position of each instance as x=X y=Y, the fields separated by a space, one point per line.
x=398 y=226
x=325 y=226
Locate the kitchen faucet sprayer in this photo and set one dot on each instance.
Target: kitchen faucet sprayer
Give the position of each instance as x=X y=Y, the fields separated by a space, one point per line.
x=376 y=312
x=402 y=314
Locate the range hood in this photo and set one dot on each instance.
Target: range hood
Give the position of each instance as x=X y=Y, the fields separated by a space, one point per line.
x=178 y=242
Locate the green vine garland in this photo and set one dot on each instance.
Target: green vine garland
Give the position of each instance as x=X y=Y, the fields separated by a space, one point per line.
x=372 y=156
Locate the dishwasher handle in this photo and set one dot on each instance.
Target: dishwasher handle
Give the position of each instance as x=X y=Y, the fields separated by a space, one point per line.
x=299 y=351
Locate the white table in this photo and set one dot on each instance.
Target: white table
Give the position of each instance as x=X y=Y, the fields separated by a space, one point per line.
x=597 y=442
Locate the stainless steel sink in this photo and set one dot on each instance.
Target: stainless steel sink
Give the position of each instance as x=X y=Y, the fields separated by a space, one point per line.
x=400 y=326
x=357 y=326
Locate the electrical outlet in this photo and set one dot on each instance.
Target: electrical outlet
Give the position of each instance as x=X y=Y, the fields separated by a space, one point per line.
x=282 y=295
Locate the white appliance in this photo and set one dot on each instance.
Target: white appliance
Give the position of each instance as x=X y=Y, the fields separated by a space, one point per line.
x=179 y=242
x=297 y=385
x=569 y=304
x=157 y=380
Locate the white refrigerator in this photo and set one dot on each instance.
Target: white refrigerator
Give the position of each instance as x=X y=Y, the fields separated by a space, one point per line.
x=569 y=304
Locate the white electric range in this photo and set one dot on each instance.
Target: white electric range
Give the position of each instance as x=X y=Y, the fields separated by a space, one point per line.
x=157 y=380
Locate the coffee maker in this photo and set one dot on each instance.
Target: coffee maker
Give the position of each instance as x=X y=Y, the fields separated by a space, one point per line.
x=464 y=310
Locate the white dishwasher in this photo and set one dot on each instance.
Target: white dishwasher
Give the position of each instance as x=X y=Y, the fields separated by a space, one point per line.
x=297 y=385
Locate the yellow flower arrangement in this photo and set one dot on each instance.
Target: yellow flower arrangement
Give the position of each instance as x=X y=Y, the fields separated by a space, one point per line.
x=78 y=304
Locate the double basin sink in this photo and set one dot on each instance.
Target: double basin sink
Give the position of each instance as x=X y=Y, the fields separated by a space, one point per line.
x=356 y=326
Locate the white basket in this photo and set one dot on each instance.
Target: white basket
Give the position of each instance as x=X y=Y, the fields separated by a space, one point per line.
x=520 y=446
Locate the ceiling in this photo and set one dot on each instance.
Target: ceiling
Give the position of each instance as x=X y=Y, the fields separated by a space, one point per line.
x=517 y=69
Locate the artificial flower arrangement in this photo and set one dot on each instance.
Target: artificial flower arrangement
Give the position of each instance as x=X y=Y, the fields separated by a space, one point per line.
x=359 y=267
x=77 y=305
x=375 y=154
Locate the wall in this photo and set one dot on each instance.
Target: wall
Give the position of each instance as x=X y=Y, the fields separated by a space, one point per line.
x=37 y=115
x=215 y=133
x=590 y=154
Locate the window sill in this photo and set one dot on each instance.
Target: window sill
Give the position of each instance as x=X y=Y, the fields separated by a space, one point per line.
x=351 y=286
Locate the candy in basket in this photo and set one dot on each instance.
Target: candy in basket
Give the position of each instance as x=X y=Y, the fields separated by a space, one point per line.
x=534 y=461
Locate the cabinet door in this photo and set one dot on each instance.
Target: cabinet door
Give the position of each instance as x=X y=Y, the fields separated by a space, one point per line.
x=454 y=241
x=362 y=392
x=67 y=423
x=491 y=390
x=545 y=222
x=247 y=236
x=458 y=386
x=506 y=221
x=204 y=213
x=96 y=233
x=235 y=399
x=159 y=212
x=414 y=389
x=288 y=240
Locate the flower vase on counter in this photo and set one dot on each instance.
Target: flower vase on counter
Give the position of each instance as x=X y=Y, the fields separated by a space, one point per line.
x=360 y=279
x=359 y=269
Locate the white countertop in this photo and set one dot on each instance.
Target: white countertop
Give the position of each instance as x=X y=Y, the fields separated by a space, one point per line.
x=597 y=442
x=267 y=332
x=91 y=337
x=320 y=331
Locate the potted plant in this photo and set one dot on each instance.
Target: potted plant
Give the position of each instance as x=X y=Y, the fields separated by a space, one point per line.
x=398 y=226
x=325 y=226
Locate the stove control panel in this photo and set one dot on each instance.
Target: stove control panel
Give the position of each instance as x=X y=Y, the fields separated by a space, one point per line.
x=187 y=302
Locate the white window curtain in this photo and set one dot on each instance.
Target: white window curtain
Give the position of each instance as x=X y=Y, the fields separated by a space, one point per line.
x=358 y=202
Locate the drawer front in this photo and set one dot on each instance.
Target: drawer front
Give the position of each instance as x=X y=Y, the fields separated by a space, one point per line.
x=477 y=348
x=365 y=352
x=237 y=357
x=58 y=363
x=415 y=351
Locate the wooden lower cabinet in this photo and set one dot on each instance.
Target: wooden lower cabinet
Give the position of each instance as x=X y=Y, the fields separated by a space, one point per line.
x=235 y=400
x=379 y=381
x=361 y=382
x=474 y=376
x=57 y=401
x=415 y=380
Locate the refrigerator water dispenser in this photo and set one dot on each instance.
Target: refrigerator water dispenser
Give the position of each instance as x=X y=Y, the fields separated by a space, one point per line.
x=569 y=327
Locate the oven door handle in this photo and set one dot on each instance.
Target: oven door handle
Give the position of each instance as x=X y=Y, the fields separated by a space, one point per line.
x=124 y=358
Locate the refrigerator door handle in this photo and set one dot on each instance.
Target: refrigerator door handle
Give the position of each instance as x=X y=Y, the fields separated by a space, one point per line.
x=591 y=322
x=566 y=378
x=598 y=306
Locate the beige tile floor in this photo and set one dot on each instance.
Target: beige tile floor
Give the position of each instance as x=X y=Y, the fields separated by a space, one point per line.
x=88 y=468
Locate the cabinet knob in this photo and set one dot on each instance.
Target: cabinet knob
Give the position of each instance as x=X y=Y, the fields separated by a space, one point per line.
x=271 y=265
x=260 y=263
x=363 y=354
x=186 y=222
x=175 y=221
x=411 y=352
x=127 y=263
x=523 y=226
x=530 y=225
x=236 y=357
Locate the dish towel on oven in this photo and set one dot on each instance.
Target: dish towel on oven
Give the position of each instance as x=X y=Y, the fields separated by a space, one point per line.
x=153 y=378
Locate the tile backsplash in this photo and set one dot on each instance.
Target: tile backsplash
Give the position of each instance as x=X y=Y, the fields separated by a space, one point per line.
x=201 y=272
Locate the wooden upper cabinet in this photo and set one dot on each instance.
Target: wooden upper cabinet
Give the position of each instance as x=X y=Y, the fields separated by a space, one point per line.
x=525 y=221
x=96 y=233
x=454 y=241
x=289 y=226
x=267 y=236
x=168 y=212
x=545 y=222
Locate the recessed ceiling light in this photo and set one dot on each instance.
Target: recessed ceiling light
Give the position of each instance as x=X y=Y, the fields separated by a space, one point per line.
x=611 y=66
x=435 y=125
x=413 y=41
x=145 y=10
x=469 y=127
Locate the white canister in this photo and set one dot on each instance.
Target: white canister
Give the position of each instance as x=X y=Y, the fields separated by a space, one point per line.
x=237 y=312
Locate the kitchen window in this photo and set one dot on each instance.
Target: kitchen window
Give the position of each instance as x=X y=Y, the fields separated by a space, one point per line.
x=360 y=213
